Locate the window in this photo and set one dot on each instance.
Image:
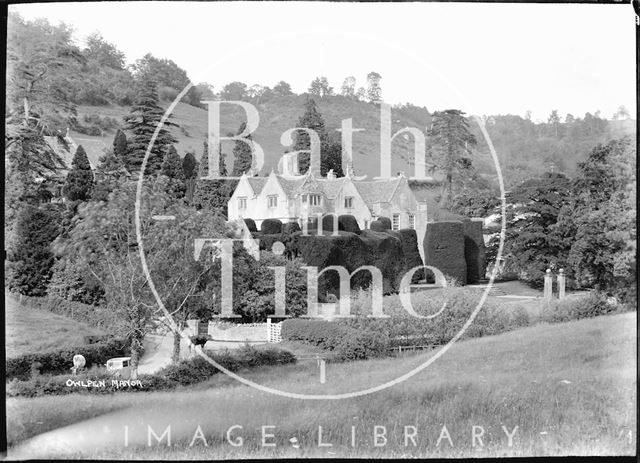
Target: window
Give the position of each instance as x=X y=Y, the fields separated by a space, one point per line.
x=273 y=201
x=242 y=203
x=304 y=199
x=395 y=223
x=348 y=202
x=314 y=200
x=412 y=221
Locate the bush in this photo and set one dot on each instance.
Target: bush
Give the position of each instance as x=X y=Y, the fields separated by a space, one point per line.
x=70 y=283
x=61 y=361
x=290 y=227
x=592 y=305
x=348 y=223
x=330 y=223
x=474 y=250
x=251 y=225
x=385 y=221
x=344 y=342
x=444 y=249
x=378 y=226
x=271 y=227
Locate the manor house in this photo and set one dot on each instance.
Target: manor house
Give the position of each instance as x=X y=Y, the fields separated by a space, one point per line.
x=288 y=197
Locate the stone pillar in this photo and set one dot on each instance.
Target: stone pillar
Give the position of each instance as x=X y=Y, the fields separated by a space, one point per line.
x=548 y=285
x=561 y=284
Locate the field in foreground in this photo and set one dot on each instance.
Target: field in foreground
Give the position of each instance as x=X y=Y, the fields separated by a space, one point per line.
x=569 y=388
x=31 y=330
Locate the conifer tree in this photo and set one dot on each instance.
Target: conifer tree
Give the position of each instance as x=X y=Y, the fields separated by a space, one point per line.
x=79 y=181
x=142 y=121
x=120 y=146
x=109 y=173
x=172 y=168
x=242 y=154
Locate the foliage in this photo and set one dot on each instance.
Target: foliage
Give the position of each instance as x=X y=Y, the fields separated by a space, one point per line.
x=189 y=165
x=348 y=222
x=79 y=181
x=344 y=342
x=242 y=154
x=598 y=224
x=110 y=173
x=594 y=304
x=120 y=146
x=70 y=283
x=234 y=91
x=320 y=87
x=61 y=361
x=271 y=226
x=444 y=249
x=29 y=254
x=282 y=88
x=213 y=195
x=144 y=117
x=374 y=92
x=172 y=169
x=450 y=146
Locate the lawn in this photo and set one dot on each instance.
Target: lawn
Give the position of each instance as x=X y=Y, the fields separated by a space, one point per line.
x=569 y=388
x=30 y=330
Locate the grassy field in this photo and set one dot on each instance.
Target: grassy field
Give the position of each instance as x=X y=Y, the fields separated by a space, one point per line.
x=30 y=330
x=569 y=388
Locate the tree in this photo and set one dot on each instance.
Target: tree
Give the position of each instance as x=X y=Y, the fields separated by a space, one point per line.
x=212 y=195
x=167 y=74
x=144 y=117
x=348 y=88
x=242 y=154
x=79 y=181
x=554 y=121
x=120 y=147
x=234 y=91
x=172 y=169
x=598 y=225
x=320 y=87
x=621 y=114
x=189 y=165
x=110 y=173
x=374 y=92
x=29 y=254
x=451 y=144
x=361 y=94
x=103 y=52
x=282 y=88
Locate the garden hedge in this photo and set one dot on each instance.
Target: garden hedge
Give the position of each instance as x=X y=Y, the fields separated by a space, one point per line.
x=329 y=223
x=290 y=227
x=271 y=227
x=474 y=250
x=385 y=221
x=251 y=225
x=409 y=241
x=61 y=361
x=444 y=249
x=348 y=223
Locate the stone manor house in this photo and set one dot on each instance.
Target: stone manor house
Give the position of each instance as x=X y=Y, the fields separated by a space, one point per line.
x=288 y=196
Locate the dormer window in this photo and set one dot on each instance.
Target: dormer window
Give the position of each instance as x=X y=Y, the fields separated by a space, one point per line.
x=348 y=202
x=272 y=201
x=242 y=203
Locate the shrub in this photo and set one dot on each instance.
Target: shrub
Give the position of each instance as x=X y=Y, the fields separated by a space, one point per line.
x=61 y=361
x=69 y=282
x=251 y=225
x=474 y=250
x=348 y=223
x=344 y=342
x=290 y=227
x=271 y=227
x=330 y=223
x=592 y=305
x=444 y=249
x=385 y=221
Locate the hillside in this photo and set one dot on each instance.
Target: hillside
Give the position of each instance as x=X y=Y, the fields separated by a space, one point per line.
x=276 y=116
x=29 y=331
x=524 y=148
x=569 y=387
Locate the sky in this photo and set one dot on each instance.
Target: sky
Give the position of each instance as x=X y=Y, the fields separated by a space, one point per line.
x=482 y=58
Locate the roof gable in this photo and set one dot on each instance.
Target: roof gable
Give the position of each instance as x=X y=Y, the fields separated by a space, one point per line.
x=378 y=191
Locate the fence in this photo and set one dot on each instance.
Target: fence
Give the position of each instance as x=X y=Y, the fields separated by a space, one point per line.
x=238 y=332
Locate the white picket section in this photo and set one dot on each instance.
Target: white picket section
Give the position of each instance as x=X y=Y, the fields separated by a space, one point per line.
x=274 y=331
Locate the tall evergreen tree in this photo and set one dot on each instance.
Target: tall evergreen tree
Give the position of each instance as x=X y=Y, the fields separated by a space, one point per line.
x=242 y=154
x=142 y=121
x=109 y=174
x=189 y=165
x=79 y=181
x=120 y=146
x=172 y=168
x=451 y=144
x=330 y=150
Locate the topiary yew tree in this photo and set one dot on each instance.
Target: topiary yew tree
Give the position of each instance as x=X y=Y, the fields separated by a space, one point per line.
x=172 y=169
x=79 y=181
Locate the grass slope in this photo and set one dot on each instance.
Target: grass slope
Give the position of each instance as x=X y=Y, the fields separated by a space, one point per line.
x=570 y=389
x=277 y=116
x=30 y=330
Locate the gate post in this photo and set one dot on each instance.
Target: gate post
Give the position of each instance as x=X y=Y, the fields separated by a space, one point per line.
x=561 y=284
x=548 y=285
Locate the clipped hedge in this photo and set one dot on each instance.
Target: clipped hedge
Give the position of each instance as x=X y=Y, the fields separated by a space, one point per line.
x=385 y=221
x=444 y=249
x=290 y=227
x=409 y=240
x=592 y=305
x=348 y=223
x=61 y=361
x=271 y=227
x=251 y=225
x=344 y=342
x=184 y=373
x=474 y=250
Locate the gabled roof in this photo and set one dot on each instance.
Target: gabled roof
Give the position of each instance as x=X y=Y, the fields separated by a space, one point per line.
x=257 y=183
x=331 y=187
x=378 y=191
